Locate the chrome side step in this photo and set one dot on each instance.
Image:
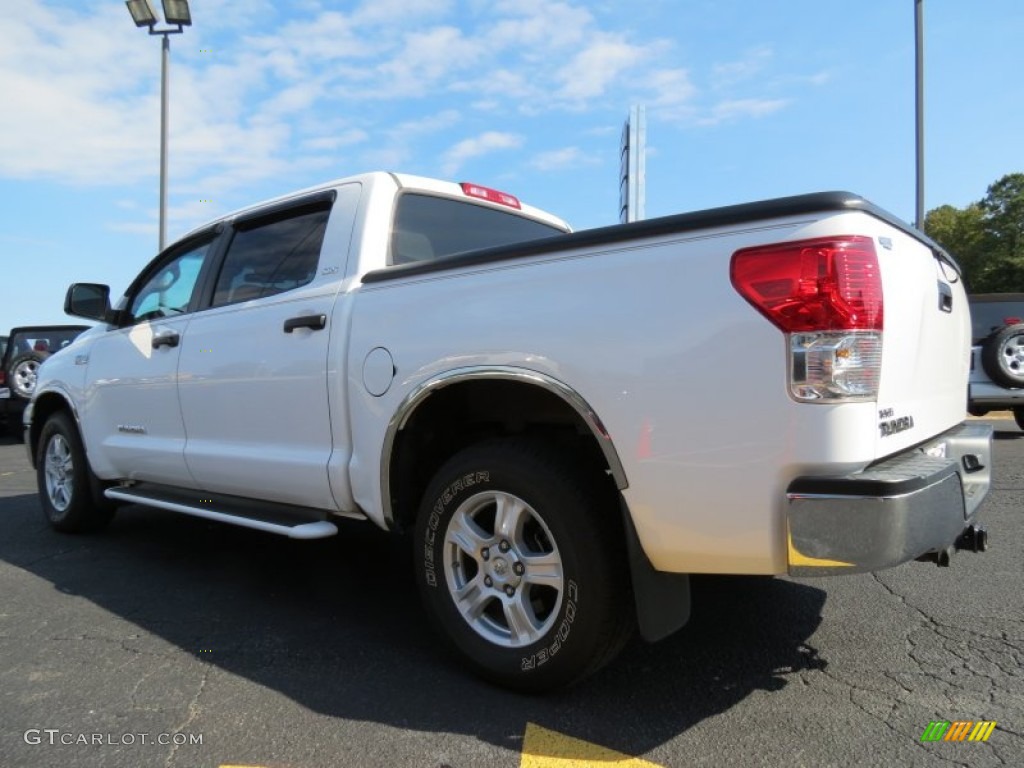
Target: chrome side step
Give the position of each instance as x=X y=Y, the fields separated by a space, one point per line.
x=318 y=529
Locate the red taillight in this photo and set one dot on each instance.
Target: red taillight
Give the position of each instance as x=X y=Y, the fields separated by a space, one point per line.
x=3 y=378
x=826 y=296
x=813 y=285
x=490 y=195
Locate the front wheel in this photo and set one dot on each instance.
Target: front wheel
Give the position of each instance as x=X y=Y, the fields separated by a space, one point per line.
x=65 y=480
x=522 y=566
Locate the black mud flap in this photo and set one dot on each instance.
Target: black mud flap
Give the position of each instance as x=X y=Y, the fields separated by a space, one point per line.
x=662 y=599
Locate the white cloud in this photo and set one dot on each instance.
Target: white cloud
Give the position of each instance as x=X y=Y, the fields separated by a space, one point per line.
x=391 y=12
x=425 y=60
x=336 y=141
x=502 y=84
x=741 y=70
x=425 y=125
x=328 y=36
x=740 y=108
x=670 y=95
x=485 y=143
x=330 y=90
x=536 y=29
x=670 y=87
x=71 y=108
x=596 y=67
x=818 y=78
x=238 y=14
x=563 y=159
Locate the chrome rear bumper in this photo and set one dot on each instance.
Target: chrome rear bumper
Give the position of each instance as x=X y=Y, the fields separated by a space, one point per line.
x=899 y=509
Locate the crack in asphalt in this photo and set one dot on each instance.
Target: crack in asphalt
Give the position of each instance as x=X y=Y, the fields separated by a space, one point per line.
x=852 y=688
x=133 y=694
x=965 y=645
x=193 y=712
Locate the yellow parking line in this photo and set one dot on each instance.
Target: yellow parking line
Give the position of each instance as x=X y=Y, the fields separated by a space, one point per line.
x=543 y=748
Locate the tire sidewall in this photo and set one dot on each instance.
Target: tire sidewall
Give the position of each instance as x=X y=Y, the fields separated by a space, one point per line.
x=57 y=426
x=72 y=516
x=23 y=358
x=568 y=644
x=994 y=361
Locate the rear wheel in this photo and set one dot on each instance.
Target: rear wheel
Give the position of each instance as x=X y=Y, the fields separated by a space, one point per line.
x=65 y=480
x=522 y=566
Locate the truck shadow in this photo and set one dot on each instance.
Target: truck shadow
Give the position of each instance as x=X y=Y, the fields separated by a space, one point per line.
x=336 y=625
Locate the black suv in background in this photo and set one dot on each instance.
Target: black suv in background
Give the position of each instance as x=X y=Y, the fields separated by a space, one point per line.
x=27 y=347
x=997 y=354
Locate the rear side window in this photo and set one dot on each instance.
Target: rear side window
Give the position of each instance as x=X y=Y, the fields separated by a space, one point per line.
x=428 y=228
x=267 y=257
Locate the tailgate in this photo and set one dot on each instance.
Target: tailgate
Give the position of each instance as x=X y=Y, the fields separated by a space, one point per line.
x=926 y=343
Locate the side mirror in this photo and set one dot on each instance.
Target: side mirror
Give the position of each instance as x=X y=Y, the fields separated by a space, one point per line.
x=88 y=300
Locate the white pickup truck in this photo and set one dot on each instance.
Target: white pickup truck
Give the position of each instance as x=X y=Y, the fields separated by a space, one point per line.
x=570 y=422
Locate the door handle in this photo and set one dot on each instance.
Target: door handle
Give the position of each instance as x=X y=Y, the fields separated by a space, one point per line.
x=945 y=297
x=165 y=339
x=313 y=322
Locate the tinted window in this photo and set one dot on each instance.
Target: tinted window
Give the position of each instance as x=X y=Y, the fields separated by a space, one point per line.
x=269 y=257
x=988 y=316
x=431 y=227
x=169 y=290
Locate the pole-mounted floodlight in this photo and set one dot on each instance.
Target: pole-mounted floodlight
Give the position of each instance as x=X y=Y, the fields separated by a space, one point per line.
x=175 y=12
x=142 y=12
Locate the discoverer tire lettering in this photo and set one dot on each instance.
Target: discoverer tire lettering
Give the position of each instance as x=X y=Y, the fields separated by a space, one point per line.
x=521 y=564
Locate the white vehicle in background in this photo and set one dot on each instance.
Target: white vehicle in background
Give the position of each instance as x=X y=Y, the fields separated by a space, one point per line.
x=570 y=423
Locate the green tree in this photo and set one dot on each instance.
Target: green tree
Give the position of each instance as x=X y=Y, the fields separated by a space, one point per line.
x=986 y=237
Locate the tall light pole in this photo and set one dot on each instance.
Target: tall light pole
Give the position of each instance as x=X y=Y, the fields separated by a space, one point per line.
x=919 y=107
x=176 y=12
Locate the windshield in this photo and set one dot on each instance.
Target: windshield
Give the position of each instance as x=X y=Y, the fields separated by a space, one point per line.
x=427 y=228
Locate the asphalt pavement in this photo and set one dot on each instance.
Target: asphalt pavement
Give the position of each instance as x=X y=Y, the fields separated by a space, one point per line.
x=172 y=641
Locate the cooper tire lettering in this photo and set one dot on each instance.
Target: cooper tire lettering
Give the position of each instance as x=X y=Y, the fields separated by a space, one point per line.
x=521 y=563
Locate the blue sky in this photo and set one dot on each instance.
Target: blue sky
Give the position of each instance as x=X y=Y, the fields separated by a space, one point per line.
x=745 y=100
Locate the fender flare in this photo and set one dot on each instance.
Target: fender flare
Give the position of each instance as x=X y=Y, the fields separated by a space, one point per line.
x=420 y=393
